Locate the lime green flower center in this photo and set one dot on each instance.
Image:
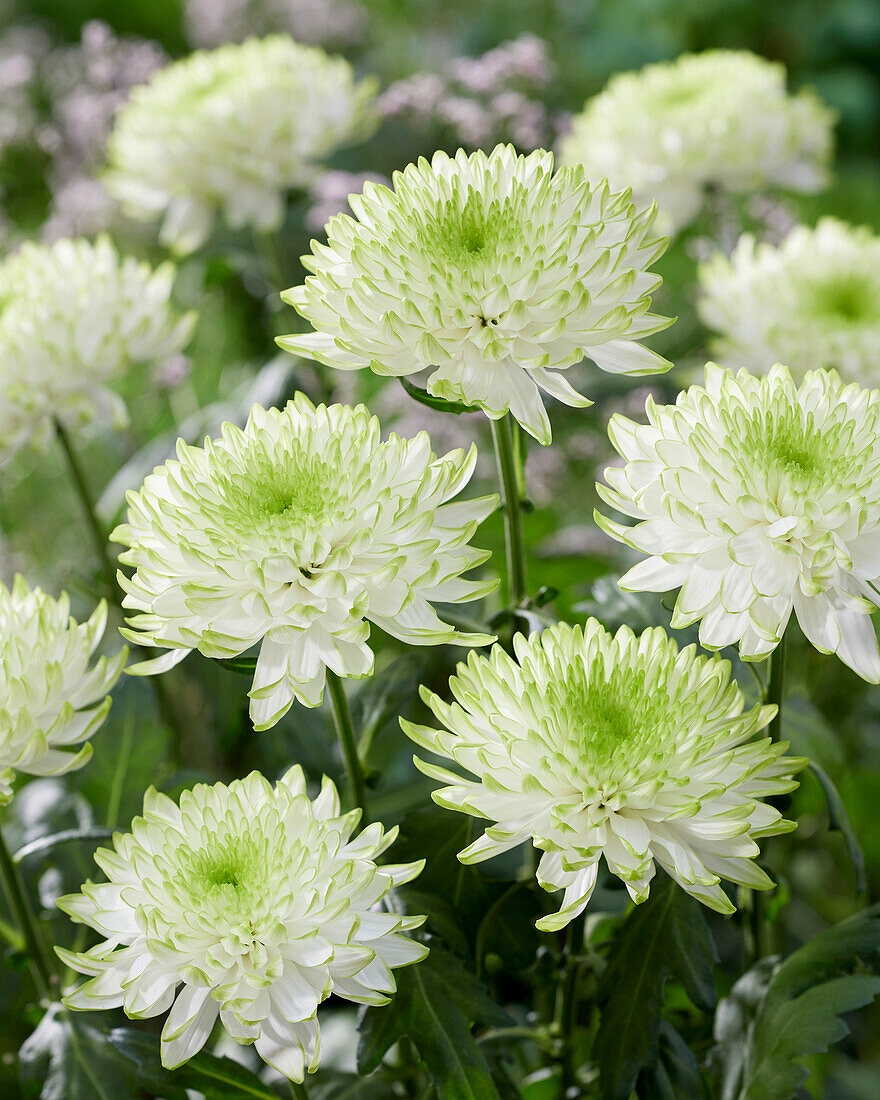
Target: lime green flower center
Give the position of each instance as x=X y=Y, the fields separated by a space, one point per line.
x=844 y=299
x=292 y=489
x=465 y=233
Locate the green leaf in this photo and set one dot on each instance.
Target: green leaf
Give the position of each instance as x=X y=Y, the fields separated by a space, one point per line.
x=68 y=1058
x=332 y=1085
x=676 y=1074
x=437 y=1004
x=438 y=403
x=244 y=666
x=777 y=1014
x=667 y=935
x=838 y=819
x=216 y=1078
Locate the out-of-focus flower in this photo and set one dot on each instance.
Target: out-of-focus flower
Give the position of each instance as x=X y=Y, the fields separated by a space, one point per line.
x=297 y=533
x=479 y=101
x=813 y=302
x=624 y=747
x=75 y=316
x=493 y=270
x=758 y=498
x=51 y=701
x=722 y=119
x=329 y=195
x=232 y=130
x=314 y=22
x=250 y=902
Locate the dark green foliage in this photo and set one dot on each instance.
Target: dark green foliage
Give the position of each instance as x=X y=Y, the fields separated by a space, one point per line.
x=666 y=936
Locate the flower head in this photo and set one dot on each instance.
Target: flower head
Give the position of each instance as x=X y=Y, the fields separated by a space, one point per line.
x=232 y=130
x=493 y=270
x=619 y=746
x=814 y=302
x=298 y=532
x=759 y=498
x=51 y=702
x=73 y=317
x=720 y=119
x=250 y=902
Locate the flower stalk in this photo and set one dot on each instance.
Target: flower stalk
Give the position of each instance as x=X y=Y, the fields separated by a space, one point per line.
x=21 y=909
x=348 y=743
x=510 y=479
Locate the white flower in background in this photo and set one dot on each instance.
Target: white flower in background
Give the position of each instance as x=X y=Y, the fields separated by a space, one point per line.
x=813 y=301
x=231 y=131
x=298 y=532
x=492 y=270
x=760 y=499
x=246 y=901
x=722 y=119
x=51 y=701
x=594 y=745
x=75 y=316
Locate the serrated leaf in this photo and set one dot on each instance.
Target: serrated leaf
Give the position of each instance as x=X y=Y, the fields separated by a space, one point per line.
x=332 y=1085
x=676 y=1074
x=215 y=1078
x=838 y=819
x=437 y=1004
x=437 y=403
x=667 y=935
x=68 y=1058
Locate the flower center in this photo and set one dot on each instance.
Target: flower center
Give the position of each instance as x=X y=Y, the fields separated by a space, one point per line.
x=463 y=233
x=844 y=299
x=291 y=490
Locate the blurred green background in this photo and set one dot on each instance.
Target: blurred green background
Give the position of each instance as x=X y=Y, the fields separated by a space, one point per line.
x=62 y=74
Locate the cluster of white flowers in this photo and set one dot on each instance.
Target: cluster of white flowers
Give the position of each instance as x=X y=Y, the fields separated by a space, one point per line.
x=51 y=701
x=298 y=532
x=759 y=499
x=232 y=130
x=248 y=902
x=495 y=271
x=719 y=119
x=813 y=302
x=623 y=747
x=76 y=316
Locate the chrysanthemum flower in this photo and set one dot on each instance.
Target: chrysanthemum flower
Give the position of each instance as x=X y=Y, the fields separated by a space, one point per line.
x=231 y=131
x=51 y=701
x=494 y=271
x=298 y=532
x=250 y=902
x=719 y=119
x=759 y=499
x=75 y=316
x=594 y=745
x=813 y=302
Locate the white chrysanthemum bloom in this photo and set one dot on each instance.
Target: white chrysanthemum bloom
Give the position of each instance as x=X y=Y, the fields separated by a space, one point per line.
x=495 y=271
x=760 y=499
x=619 y=746
x=813 y=301
x=74 y=316
x=231 y=131
x=722 y=119
x=248 y=902
x=298 y=532
x=51 y=701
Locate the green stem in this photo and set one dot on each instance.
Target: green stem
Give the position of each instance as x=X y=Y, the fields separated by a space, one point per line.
x=509 y=478
x=24 y=916
x=776 y=685
x=566 y=999
x=299 y=1091
x=99 y=536
x=108 y=569
x=348 y=744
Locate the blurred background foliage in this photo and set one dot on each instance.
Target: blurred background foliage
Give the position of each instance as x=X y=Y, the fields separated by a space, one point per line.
x=65 y=65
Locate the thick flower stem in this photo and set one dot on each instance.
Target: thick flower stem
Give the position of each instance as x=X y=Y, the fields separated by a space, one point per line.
x=566 y=998
x=108 y=570
x=776 y=685
x=299 y=1091
x=510 y=478
x=348 y=744
x=20 y=907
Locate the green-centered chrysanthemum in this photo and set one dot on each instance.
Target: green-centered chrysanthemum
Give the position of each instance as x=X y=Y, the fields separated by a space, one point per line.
x=621 y=746
x=249 y=902
x=74 y=316
x=759 y=498
x=51 y=701
x=719 y=119
x=812 y=302
x=231 y=131
x=494 y=271
x=297 y=533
